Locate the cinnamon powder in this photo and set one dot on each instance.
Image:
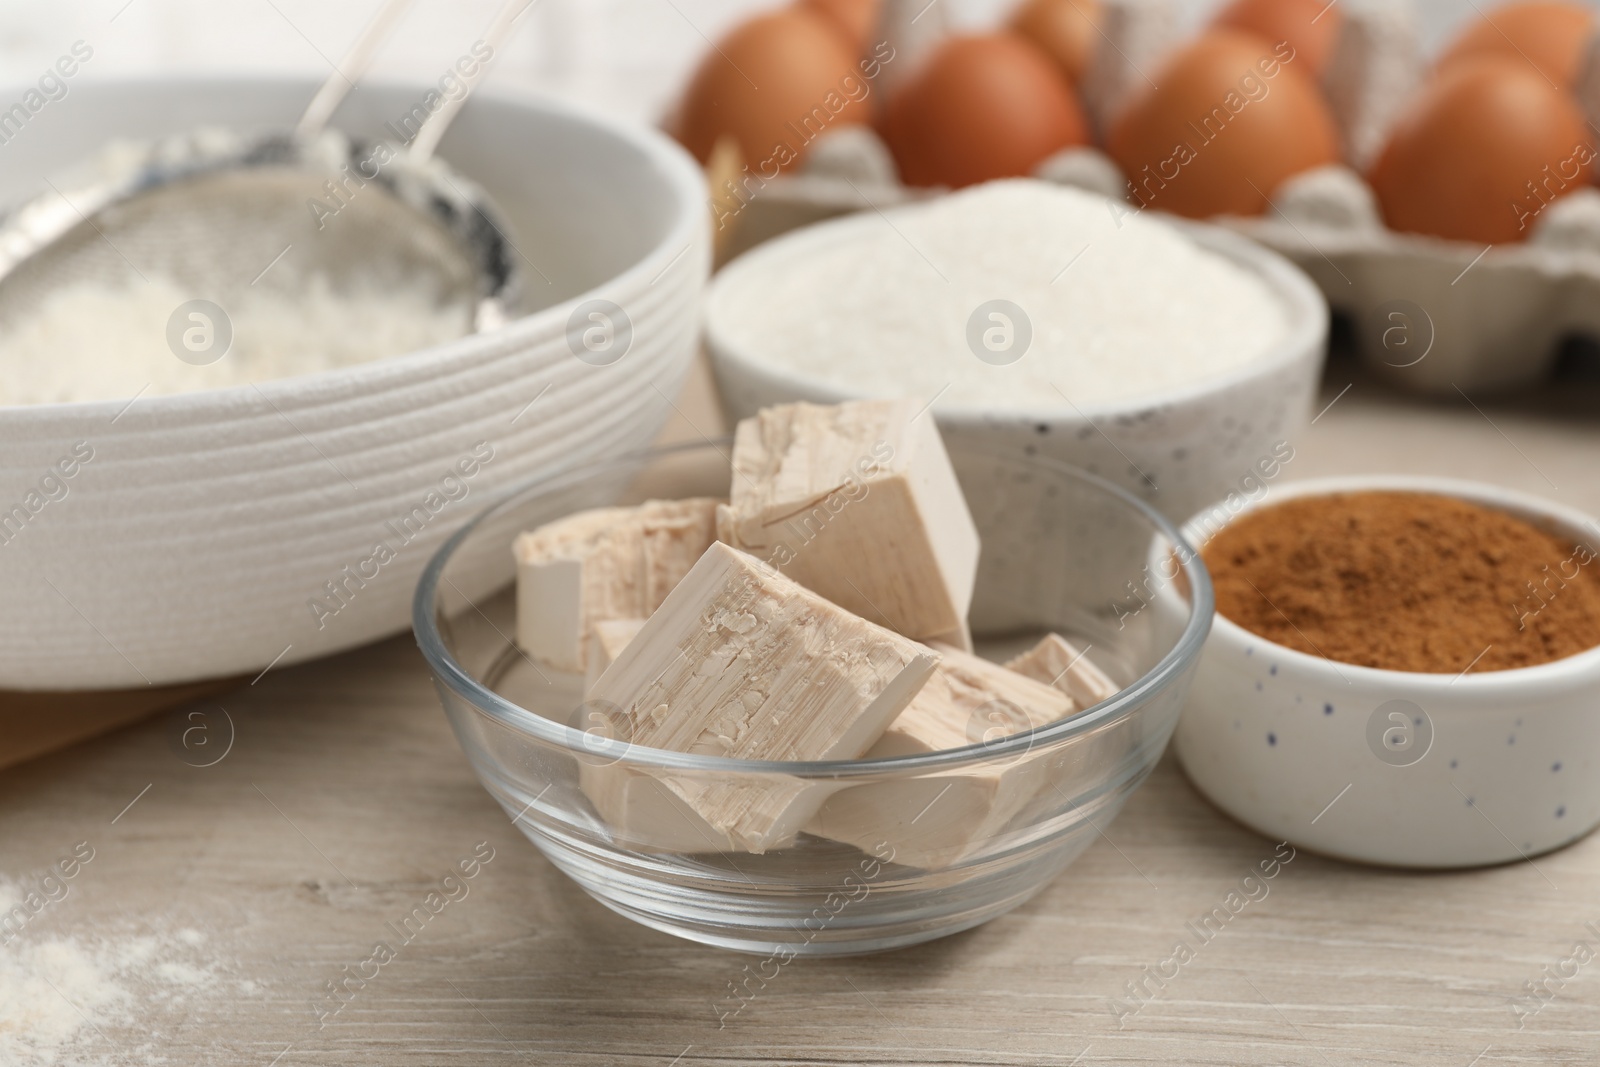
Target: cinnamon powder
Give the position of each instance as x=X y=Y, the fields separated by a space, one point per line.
x=1407 y=581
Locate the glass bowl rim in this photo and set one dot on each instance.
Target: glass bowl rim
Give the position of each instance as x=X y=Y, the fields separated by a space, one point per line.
x=449 y=672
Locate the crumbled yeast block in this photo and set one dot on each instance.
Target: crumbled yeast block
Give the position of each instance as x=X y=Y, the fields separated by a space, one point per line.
x=858 y=502
x=741 y=662
x=646 y=814
x=656 y=818
x=933 y=821
x=1057 y=662
x=609 y=563
x=607 y=638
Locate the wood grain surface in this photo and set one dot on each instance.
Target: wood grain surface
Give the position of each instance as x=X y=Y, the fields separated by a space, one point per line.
x=344 y=798
x=32 y=724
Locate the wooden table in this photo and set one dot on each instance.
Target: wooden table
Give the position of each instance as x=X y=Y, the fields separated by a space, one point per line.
x=344 y=799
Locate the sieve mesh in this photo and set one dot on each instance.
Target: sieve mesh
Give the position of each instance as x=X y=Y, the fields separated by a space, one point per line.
x=224 y=234
x=263 y=217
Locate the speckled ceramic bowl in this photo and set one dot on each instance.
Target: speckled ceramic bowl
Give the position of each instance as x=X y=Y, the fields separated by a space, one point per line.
x=1391 y=767
x=1179 y=449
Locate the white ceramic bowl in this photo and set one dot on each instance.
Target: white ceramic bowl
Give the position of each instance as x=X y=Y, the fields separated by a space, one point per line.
x=1179 y=450
x=197 y=540
x=1391 y=767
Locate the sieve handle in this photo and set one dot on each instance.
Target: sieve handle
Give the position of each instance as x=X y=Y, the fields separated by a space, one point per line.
x=351 y=69
x=499 y=31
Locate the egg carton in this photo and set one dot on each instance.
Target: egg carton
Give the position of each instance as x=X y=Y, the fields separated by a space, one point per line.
x=1376 y=64
x=1431 y=315
x=1434 y=315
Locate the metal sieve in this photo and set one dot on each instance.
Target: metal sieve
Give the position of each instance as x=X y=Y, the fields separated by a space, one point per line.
x=221 y=213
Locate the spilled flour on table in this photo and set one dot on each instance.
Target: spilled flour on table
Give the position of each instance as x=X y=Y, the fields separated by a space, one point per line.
x=63 y=997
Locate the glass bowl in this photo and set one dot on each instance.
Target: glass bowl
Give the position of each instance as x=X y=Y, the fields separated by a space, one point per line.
x=1082 y=558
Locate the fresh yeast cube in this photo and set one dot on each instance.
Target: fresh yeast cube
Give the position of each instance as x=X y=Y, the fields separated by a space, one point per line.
x=607 y=563
x=858 y=502
x=933 y=821
x=743 y=663
x=1057 y=662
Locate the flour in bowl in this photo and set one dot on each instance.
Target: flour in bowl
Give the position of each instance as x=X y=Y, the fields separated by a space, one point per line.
x=1119 y=305
x=94 y=341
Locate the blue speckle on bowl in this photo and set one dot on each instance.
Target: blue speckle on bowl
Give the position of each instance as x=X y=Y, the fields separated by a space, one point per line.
x=1327 y=709
x=1471 y=803
x=1272 y=739
x=1453 y=764
x=1273 y=670
x=1561 y=812
x=1556 y=766
x=1250 y=651
x=1511 y=740
x=1298 y=698
x=1258 y=687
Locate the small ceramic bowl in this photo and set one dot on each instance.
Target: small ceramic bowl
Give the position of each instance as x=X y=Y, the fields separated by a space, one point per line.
x=526 y=730
x=1392 y=767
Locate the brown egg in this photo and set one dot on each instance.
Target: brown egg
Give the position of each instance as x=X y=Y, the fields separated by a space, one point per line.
x=1480 y=151
x=856 y=19
x=774 y=85
x=1550 y=34
x=1230 y=121
x=1311 y=27
x=981 y=108
x=1066 y=29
